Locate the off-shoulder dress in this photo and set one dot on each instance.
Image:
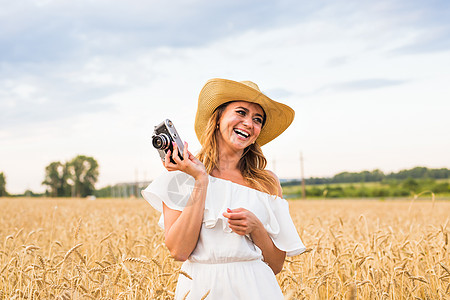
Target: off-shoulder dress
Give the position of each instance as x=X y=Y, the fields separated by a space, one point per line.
x=228 y=265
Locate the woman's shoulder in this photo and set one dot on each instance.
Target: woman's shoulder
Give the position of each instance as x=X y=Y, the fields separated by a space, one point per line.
x=272 y=174
x=275 y=177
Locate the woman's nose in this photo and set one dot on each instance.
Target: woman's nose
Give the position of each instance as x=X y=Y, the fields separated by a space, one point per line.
x=247 y=122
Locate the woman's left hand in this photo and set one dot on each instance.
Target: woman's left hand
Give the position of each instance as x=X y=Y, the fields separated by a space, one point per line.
x=242 y=221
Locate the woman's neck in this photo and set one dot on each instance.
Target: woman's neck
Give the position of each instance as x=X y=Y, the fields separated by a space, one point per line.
x=228 y=162
x=228 y=158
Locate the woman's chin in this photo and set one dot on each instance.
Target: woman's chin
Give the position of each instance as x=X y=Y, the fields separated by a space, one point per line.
x=241 y=146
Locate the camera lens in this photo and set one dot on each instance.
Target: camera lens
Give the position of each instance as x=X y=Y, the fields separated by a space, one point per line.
x=160 y=141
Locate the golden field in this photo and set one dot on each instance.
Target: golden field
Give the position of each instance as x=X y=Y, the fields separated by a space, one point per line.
x=113 y=249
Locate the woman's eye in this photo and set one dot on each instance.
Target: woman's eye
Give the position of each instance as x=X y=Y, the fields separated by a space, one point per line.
x=258 y=120
x=241 y=112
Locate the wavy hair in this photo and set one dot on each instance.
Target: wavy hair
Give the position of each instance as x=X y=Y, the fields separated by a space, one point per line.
x=251 y=165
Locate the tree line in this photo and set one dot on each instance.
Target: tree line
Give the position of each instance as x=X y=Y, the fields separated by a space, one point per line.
x=392 y=188
x=418 y=180
x=377 y=176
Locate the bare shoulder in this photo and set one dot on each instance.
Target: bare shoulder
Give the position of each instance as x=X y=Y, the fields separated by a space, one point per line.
x=280 y=191
x=273 y=175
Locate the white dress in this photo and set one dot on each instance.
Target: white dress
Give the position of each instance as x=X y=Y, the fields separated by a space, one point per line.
x=224 y=263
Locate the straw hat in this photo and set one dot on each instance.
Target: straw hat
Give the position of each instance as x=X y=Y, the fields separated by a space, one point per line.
x=218 y=91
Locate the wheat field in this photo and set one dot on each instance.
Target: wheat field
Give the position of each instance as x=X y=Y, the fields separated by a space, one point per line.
x=113 y=249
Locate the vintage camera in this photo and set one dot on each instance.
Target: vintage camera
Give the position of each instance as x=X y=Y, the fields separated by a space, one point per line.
x=163 y=136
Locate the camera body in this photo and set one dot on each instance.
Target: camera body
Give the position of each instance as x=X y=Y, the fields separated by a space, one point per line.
x=163 y=136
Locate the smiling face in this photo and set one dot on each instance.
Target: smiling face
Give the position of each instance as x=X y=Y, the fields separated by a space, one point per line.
x=240 y=125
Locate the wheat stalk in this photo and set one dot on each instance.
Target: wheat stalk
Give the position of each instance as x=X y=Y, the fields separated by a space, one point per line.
x=205 y=295
x=77 y=229
x=185 y=274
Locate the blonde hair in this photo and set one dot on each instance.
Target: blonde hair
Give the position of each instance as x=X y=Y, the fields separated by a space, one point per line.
x=251 y=165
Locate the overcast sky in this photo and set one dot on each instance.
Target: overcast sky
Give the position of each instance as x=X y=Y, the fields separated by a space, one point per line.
x=369 y=81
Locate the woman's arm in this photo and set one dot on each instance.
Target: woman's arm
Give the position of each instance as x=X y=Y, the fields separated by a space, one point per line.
x=244 y=222
x=272 y=255
x=182 y=229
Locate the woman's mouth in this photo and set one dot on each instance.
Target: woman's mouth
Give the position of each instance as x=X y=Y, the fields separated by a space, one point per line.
x=242 y=133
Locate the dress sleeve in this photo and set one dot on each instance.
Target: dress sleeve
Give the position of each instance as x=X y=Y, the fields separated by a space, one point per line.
x=282 y=230
x=171 y=188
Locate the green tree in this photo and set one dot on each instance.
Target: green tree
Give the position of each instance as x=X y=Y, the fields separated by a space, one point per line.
x=363 y=176
x=410 y=184
x=56 y=177
x=83 y=174
x=3 y=192
x=439 y=173
x=443 y=187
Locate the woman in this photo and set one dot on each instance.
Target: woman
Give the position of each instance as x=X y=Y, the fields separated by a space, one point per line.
x=223 y=213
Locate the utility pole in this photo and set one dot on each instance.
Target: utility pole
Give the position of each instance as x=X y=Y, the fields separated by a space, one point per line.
x=303 y=176
x=136 y=180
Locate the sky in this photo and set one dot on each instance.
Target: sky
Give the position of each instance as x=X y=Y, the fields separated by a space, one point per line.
x=368 y=80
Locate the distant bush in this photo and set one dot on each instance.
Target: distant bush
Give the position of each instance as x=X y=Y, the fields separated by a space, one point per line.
x=386 y=188
x=3 y=191
x=378 y=176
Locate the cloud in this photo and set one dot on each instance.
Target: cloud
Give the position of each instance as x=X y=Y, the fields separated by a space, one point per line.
x=278 y=93
x=55 y=31
x=353 y=86
x=425 y=25
x=434 y=40
x=366 y=84
x=37 y=101
x=58 y=30
x=338 y=61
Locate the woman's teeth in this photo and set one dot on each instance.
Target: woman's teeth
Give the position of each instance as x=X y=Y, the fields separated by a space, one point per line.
x=241 y=133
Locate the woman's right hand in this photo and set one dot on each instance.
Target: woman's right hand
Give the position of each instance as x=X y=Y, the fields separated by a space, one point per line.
x=189 y=165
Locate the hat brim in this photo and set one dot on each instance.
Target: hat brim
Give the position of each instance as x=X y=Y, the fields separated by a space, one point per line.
x=218 y=91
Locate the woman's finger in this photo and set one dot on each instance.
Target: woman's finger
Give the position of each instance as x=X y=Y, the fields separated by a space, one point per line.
x=167 y=155
x=239 y=209
x=166 y=161
x=185 y=151
x=231 y=215
x=242 y=223
x=235 y=215
x=175 y=148
x=237 y=230
x=175 y=156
